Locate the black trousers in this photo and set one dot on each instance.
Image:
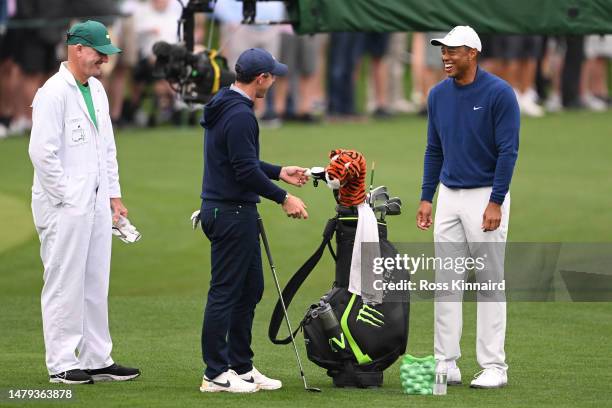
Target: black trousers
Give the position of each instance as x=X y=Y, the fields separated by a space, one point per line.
x=236 y=286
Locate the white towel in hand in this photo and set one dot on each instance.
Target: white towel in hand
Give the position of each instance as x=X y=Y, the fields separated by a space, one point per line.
x=367 y=231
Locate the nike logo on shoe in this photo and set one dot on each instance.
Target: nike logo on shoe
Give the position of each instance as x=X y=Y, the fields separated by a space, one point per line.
x=250 y=380
x=226 y=384
x=477 y=107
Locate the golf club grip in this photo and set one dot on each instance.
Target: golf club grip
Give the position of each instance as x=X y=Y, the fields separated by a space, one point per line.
x=264 y=238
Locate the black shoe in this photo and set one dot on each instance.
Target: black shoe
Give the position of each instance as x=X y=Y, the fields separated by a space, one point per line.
x=75 y=376
x=114 y=373
x=307 y=118
x=382 y=113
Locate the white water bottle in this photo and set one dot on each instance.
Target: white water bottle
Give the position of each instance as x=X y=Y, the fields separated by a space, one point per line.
x=439 y=387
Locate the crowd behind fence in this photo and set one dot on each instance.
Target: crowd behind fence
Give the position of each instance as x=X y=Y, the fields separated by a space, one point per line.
x=549 y=74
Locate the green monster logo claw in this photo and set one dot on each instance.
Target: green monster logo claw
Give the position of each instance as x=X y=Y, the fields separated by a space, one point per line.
x=339 y=343
x=367 y=315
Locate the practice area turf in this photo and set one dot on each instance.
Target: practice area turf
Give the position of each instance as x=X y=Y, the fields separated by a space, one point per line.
x=559 y=353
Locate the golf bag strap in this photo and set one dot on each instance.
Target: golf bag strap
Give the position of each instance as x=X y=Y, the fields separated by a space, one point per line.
x=296 y=282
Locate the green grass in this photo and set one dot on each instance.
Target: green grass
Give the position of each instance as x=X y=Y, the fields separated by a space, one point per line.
x=558 y=352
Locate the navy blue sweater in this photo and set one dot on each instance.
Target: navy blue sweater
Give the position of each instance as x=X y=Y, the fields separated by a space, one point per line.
x=472 y=136
x=232 y=169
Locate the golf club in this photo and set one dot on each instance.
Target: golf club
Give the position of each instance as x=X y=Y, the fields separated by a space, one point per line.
x=382 y=209
x=379 y=193
x=317 y=173
x=262 y=232
x=395 y=200
x=393 y=208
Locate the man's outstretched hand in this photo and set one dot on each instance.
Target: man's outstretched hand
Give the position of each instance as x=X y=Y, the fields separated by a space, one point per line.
x=294 y=175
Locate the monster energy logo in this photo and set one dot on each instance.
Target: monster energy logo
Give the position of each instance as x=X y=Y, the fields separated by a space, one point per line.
x=339 y=343
x=370 y=316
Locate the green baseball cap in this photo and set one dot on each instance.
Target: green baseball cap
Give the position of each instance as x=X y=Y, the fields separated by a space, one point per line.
x=91 y=34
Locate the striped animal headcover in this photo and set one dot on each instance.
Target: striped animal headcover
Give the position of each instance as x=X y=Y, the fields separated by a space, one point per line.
x=346 y=172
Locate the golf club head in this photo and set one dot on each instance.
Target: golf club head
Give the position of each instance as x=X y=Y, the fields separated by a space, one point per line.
x=393 y=208
x=382 y=208
x=378 y=190
x=395 y=200
x=313 y=389
x=317 y=174
x=378 y=194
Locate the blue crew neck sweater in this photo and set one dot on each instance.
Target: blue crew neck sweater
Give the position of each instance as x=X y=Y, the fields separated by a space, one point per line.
x=472 y=136
x=232 y=169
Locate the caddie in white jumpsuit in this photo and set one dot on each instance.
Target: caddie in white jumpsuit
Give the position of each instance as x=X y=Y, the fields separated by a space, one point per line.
x=75 y=197
x=472 y=147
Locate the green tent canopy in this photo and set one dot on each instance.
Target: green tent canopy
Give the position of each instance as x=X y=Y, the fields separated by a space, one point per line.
x=553 y=17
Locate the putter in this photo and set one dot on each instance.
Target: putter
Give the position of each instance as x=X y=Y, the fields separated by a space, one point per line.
x=262 y=232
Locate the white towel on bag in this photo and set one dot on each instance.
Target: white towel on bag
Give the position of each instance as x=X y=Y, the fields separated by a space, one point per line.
x=361 y=282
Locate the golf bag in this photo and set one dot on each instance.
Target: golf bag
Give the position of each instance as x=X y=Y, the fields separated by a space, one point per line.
x=354 y=341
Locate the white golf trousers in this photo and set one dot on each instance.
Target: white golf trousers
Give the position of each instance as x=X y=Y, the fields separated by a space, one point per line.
x=76 y=251
x=458 y=233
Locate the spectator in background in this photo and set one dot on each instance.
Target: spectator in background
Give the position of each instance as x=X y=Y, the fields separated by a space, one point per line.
x=301 y=54
x=236 y=37
x=125 y=37
x=8 y=84
x=514 y=58
x=396 y=58
x=426 y=68
x=594 y=78
x=572 y=68
x=344 y=52
x=376 y=45
x=35 y=56
x=155 y=20
x=551 y=68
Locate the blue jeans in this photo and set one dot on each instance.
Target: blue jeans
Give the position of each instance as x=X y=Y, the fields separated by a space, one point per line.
x=236 y=286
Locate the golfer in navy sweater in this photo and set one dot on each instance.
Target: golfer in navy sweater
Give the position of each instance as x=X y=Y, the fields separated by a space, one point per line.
x=234 y=178
x=472 y=146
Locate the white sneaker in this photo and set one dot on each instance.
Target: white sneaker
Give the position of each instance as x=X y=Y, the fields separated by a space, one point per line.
x=19 y=126
x=227 y=382
x=593 y=103
x=490 y=378
x=453 y=374
x=403 y=106
x=529 y=107
x=264 y=383
x=553 y=103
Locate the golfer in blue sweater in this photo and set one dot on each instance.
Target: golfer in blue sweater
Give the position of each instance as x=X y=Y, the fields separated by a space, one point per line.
x=472 y=146
x=234 y=179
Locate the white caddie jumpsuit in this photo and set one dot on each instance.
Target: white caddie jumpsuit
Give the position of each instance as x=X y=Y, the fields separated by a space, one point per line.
x=75 y=175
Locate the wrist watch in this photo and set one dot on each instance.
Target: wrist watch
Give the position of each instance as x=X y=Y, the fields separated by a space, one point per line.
x=286 y=198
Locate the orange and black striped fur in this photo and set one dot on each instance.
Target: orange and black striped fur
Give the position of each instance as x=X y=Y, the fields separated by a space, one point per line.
x=349 y=168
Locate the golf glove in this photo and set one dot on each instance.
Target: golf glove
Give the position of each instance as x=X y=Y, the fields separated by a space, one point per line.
x=195 y=219
x=125 y=231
